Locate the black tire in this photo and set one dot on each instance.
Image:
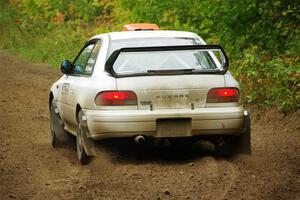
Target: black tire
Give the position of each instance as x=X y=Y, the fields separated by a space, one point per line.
x=80 y=143
x=223 y=146
x=58 y=136
x=228 y=145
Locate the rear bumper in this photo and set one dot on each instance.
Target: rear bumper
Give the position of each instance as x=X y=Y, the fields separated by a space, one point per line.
x=127 y=123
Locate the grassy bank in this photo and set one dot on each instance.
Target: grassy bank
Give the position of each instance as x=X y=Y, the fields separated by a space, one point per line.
x=262 y=38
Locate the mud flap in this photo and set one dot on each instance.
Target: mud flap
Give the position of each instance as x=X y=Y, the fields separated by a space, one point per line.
x=243 y=142
x=58 y=127
x=89 y=144
x=61 y=137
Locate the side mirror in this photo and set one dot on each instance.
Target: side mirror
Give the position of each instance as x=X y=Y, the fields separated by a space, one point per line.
x=66 y=67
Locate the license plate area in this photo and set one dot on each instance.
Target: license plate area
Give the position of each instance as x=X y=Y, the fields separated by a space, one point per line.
x=179 y=127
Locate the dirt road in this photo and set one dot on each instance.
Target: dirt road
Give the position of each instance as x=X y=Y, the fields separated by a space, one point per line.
x=31 y=169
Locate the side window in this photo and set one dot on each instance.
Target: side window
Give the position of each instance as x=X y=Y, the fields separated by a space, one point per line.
x=92 y=59
x=85 y=62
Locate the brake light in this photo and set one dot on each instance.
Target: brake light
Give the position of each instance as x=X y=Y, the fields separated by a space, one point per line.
x=116 y=98
x=223 y=95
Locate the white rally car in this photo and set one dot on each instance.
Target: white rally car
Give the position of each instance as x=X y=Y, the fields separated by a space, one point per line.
x=148 y=84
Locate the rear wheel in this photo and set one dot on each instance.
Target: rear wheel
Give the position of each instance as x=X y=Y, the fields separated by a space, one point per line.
x=228 y=145
x=85 y=148
x=58 y=136
x=223 y=146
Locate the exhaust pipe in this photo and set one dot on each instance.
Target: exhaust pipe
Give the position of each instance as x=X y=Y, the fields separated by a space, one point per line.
x=139 y=139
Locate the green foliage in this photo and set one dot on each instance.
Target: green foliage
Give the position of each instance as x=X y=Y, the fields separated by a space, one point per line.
x=261 y=37
x=270 y=82
x=47 y=30
x=59 y=11
x=237 y=24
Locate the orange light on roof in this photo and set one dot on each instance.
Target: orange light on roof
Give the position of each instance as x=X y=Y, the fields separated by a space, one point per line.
x=140 y=27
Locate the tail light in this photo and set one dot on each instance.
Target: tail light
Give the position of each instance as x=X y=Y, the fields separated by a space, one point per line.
x=223 y=95
x=116 y=98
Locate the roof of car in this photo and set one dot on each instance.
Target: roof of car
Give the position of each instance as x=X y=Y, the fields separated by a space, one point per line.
x=146 y=34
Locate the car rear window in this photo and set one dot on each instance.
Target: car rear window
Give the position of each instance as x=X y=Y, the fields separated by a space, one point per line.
x=155 y=56
x=145 y=62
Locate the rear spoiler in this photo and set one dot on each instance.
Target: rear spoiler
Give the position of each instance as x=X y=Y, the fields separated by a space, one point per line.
x=113 y=57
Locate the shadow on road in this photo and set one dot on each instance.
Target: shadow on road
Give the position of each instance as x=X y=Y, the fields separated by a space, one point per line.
x=125 y=151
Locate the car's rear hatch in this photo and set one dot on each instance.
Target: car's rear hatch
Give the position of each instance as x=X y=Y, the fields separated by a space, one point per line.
x=176 y=91
x=170 y=76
